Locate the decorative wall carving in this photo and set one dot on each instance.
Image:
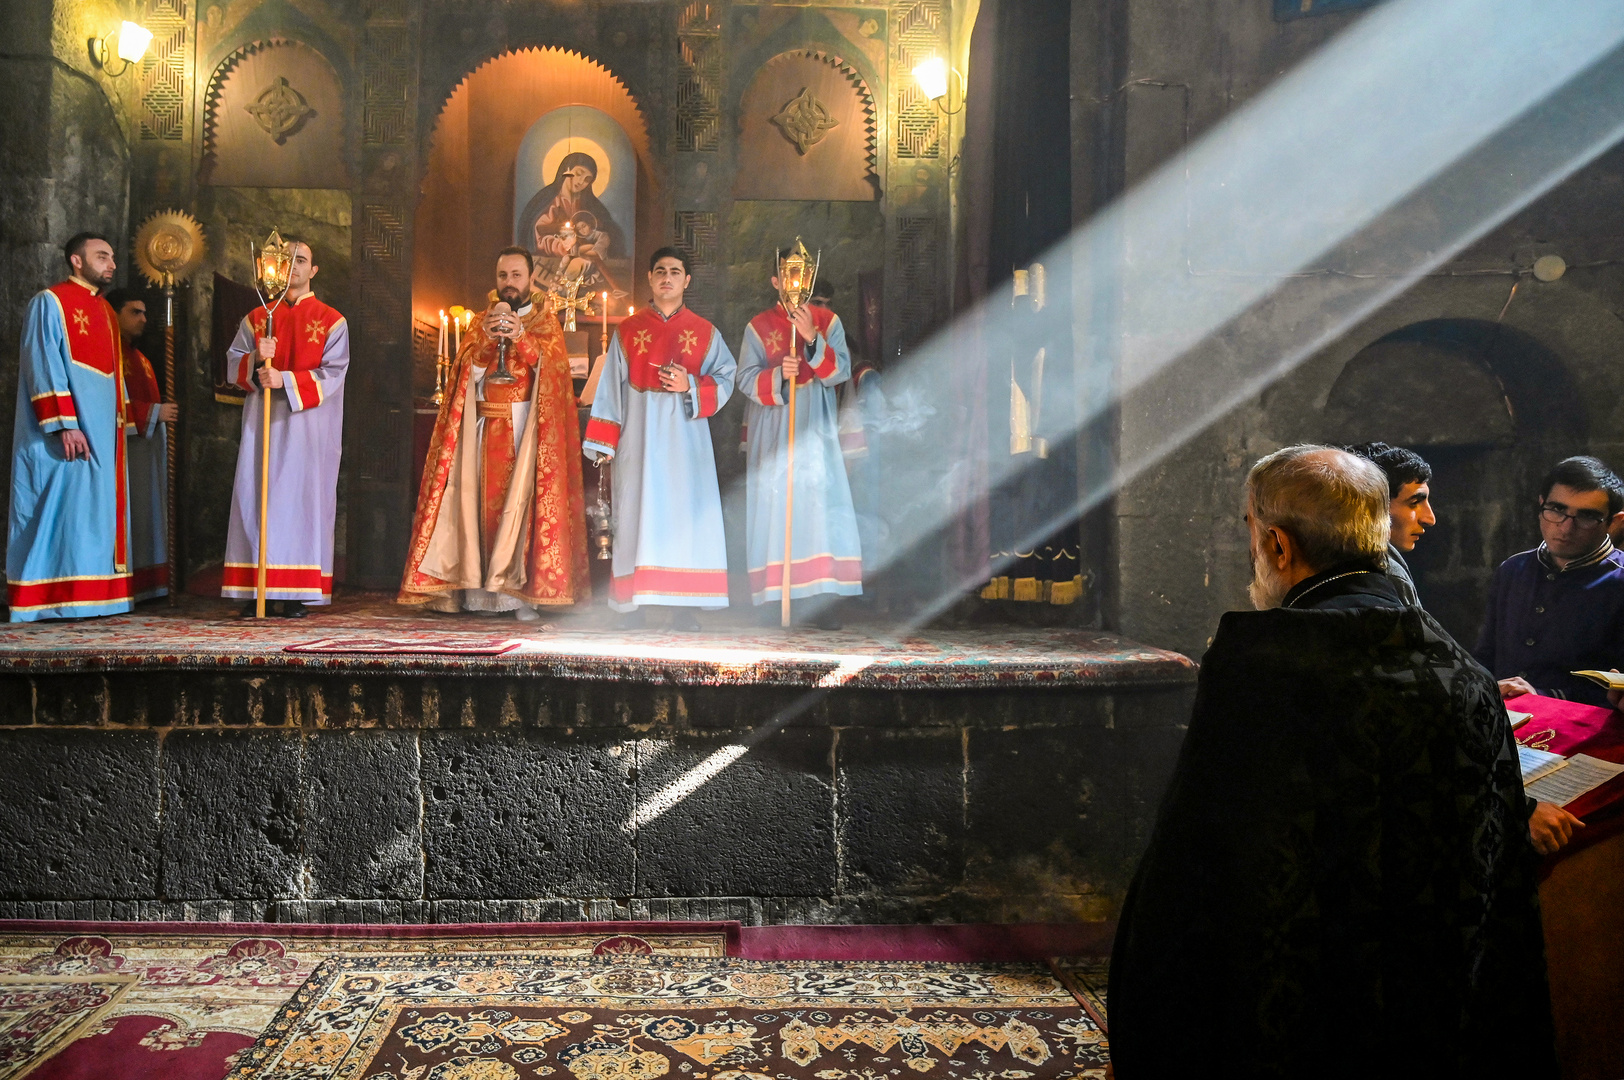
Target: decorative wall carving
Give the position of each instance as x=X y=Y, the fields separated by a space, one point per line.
x=804 y=120
x=916 y=36
x=698 y=236
x=386 y=77
x=280 y=110
x=166 y=71
x=915 y=255
x=274 y=117
x=807 y=131
x=699 y=89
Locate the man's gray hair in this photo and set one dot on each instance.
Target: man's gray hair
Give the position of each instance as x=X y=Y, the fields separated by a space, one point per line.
x=1333 y=503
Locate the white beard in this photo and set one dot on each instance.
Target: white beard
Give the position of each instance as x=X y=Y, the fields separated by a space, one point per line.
x=1267 y=589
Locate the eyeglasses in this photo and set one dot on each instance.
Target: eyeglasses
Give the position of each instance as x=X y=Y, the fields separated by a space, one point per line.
x=1556 y=514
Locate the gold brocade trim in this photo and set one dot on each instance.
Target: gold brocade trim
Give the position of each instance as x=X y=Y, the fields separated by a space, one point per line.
x=495 y=410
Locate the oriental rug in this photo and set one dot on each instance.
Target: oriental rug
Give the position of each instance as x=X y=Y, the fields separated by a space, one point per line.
x=507 y=1017
x=582 y=645
x=423 y=645
x=1086 y=977
x=180 y=1003
x=41 y=1014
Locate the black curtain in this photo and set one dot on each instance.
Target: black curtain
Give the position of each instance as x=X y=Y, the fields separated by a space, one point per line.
x=1031 y=397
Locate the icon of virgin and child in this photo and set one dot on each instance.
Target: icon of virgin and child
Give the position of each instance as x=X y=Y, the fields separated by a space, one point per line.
x=572 y=234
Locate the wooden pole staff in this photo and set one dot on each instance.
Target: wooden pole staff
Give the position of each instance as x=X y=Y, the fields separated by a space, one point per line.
x=264 y=496
x=169 y=440
x=789 y=490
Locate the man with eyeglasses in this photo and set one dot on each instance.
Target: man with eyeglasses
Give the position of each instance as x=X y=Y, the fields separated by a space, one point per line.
x=1560 y=607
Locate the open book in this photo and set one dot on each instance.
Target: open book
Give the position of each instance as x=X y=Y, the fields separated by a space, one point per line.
x=1555 y=779
x=1613 y=680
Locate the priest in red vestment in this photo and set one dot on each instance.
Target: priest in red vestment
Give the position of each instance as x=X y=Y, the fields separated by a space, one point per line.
x=501 y=523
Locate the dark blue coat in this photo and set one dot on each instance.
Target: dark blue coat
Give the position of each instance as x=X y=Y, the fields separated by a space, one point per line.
x=1543 y=623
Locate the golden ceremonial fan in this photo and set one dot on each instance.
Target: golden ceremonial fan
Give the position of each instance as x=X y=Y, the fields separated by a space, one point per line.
x=168 y=247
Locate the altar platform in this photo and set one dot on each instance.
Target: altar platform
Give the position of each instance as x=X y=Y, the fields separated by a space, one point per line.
x=379 y=763
x=367 y=633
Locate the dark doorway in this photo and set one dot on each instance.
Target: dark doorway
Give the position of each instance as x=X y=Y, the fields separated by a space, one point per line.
x=1491 y=409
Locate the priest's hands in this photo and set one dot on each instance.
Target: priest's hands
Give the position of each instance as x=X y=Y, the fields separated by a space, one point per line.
x=674 y=377
x=502 y=324
x=805 y=328
x=1515 y=687
x=792 y=367
x=75 y=445
x=168 y=413
x=1550 y=828
x=269 y=376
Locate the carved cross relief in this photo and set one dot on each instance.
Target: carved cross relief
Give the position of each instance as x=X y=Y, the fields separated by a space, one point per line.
x=804 y=120
x=280 y=110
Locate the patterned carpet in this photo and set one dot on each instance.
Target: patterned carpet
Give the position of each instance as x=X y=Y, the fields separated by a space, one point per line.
x=180 y=1005
x=506 y=1017
x=203 y=634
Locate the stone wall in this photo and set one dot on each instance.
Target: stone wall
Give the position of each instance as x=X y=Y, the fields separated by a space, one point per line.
x=64 y=157
x=1180 y=546
x=305 y=798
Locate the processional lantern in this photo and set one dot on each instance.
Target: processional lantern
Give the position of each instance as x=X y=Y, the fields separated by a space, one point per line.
x=797 y=273
x=168 y=248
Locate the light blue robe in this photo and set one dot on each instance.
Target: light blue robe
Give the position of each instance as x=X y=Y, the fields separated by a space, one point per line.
x=667 y=502
x=64 y=522
x=827 y=555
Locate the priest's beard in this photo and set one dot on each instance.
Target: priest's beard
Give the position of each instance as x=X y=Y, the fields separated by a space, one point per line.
x=509 y=296
x=1268 y=588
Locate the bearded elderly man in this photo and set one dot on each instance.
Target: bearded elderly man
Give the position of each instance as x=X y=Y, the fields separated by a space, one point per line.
x=1341 y=881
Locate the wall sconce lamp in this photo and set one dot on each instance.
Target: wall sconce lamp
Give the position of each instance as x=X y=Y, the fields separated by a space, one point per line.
x=933 y=77
x=133 y=40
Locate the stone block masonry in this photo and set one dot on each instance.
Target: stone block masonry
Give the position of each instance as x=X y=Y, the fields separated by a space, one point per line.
x=300 y=796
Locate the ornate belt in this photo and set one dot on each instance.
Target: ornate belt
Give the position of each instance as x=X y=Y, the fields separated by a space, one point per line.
x=495 y=410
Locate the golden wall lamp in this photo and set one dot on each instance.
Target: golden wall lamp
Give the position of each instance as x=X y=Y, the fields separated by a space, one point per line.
x=133 y=40
x=934 y=77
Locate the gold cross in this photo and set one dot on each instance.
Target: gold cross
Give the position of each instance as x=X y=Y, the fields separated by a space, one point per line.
x=81 y=322
x=640 y=341
x=775 y=342
x=259 y=326
x=689 y=341
x=314 y=335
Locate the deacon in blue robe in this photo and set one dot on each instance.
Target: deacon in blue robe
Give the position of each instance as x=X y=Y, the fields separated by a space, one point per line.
x=68 y=544
x=826 y=557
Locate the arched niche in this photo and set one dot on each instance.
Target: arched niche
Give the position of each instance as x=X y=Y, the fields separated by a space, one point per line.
x=274 y=117
x=470 y=196
x=1419 y=393
x=1491 y=409
x=807 y=131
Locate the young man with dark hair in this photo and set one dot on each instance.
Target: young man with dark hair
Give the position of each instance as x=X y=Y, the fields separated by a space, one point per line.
x=1560 y=607
x=299 y=355
x=667 y=372
x=146 y=445
x=826 y=555
x=68 y=550
x=1409 y=507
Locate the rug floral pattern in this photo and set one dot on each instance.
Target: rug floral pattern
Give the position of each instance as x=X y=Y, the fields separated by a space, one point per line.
x=185 y=988
x=512 y=1017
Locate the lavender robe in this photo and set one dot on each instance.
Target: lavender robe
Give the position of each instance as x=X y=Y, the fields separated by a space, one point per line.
x=305 y=447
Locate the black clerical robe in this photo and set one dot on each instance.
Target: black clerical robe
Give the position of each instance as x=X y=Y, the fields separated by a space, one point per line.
x=1340 y=881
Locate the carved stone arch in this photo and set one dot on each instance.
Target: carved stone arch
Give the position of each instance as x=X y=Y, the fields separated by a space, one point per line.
x=808 y=130
x=607 y=92
x=274 y=116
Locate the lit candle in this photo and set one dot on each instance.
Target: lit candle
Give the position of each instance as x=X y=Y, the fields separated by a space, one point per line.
x=440 y=351
x=606 y=314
